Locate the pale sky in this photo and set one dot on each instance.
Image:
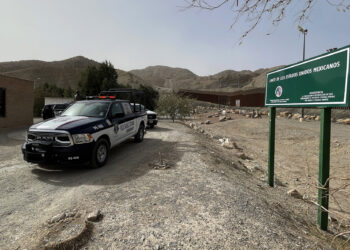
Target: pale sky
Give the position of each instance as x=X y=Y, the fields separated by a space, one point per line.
x=134 y=34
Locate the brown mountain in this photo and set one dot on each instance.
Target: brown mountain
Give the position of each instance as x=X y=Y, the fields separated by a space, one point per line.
x=67 y=73
x=61 y=73
x=129 y=79
x=259 y=80
x=178 y=78
x=166 y=77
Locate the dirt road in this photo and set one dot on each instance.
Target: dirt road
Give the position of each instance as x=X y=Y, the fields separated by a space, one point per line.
x=202 y=201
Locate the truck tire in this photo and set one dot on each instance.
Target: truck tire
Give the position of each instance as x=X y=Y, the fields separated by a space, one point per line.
x=140 y=133
x=100 y=153
x=151 y=126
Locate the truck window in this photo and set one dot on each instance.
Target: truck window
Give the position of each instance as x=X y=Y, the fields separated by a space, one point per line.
x=116 y=109
x=90 y=109
x=127 y=108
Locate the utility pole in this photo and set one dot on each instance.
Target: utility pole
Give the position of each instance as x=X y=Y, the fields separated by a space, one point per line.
x=304 y=31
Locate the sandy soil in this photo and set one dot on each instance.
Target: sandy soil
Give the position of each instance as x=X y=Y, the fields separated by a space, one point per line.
x=296 y=157
x=203 y=201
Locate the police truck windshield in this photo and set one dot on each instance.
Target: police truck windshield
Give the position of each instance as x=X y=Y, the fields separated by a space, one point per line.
x=90 y=109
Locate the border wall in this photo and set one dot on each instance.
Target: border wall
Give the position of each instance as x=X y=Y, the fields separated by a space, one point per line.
x=241 y=98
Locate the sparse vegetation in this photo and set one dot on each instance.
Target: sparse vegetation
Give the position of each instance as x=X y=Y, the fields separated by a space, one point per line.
x=104 y=77
x=95 y=79
x=174 y=106
x=151 y=96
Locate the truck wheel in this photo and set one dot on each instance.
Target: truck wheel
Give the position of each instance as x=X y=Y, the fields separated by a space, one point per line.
x=140 y=134
x=100 y=153
x=151 y=126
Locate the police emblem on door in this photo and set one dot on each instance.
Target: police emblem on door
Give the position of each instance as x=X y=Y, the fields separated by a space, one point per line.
x=116 y=128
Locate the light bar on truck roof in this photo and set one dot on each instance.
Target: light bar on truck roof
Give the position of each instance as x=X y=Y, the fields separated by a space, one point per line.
x=106 y=97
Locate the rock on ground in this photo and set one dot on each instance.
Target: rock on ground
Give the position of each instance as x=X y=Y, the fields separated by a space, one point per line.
x=294 y=193
x=94 y=216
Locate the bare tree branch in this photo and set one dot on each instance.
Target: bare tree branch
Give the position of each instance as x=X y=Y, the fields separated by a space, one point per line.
x=255 y=10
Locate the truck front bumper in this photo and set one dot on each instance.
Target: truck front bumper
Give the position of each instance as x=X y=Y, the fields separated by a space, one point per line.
x=41 y=153
x=152 y=122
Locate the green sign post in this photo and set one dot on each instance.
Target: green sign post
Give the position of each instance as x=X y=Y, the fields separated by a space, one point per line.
x=321 y=82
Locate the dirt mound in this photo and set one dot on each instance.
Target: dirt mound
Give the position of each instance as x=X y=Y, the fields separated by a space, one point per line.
x=70 y=233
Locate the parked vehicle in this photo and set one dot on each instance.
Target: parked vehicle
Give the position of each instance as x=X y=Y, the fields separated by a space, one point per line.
x=59 y=108
x=84 y=132
x=151 y=118
x=151 y=115
x=53 y=110
x=47 y=112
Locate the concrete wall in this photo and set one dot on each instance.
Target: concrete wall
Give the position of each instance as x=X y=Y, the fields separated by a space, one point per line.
x=19 y=102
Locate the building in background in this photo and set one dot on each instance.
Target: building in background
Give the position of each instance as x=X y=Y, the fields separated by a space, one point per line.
x=16 y=102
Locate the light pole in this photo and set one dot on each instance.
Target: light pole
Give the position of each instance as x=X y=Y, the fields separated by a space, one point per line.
x=304 y=31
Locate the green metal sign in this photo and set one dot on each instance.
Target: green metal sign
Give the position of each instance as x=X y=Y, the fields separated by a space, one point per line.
x=317 y=82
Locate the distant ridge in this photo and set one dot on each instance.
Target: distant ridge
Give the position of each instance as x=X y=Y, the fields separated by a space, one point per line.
x=179 y=78
x=67 y=73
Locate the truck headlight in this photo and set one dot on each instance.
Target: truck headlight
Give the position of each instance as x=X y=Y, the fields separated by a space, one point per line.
x=29 y=137
x=82 y=138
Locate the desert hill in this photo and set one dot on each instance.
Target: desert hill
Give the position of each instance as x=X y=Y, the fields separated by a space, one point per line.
x=178 y=78
x=66 y=73
x=164 y=76
x=128 y=79
x=260 y=79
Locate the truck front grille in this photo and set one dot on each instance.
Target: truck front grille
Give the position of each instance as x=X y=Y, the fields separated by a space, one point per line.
x=56 y=139
x=151 y=116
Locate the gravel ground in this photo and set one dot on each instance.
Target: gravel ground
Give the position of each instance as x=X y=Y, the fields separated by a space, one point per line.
x=203 y=201
x=297 y=154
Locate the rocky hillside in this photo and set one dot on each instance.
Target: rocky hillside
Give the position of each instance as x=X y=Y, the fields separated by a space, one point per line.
x=164 y=76
x=129 y=79
x=61 y=73
x=178 y=78
x=67 y=73
x=260 y=79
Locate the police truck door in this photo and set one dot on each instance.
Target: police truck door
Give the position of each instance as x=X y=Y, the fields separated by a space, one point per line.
x=117 y=117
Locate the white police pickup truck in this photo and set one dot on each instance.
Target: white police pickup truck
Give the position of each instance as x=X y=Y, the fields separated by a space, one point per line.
x=85 y=132
x=151 y=115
